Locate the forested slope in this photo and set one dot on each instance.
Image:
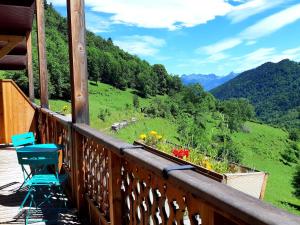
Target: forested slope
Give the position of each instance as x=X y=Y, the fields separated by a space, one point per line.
x=273 y=88
x=106 y=63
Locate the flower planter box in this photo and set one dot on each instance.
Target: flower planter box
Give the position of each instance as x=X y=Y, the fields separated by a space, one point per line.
x=247 y=180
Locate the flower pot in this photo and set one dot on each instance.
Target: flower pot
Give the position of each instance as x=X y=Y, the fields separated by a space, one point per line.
x=247 y=180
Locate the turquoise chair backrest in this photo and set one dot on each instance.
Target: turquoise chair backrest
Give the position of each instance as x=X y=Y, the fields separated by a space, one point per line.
x=23 y=139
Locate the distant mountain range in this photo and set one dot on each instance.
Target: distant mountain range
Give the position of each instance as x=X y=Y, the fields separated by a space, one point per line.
x=273 y=88
x=208 y=81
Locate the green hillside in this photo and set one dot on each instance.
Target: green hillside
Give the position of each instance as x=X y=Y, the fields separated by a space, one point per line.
x=273 y=88
x=261 y=146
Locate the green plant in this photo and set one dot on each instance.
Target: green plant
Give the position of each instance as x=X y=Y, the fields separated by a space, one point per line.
x=136 y=102
x=294 y=135
x=103 y=114
x=296 y=182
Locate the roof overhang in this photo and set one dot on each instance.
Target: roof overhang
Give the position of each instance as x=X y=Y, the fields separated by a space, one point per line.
x=16 y=17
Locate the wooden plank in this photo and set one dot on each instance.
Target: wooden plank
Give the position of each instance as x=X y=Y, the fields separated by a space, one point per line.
x=7 y=48
x=78 y=61
x=11 y=38
x=263 y=189
x=13 y=102
x=42 y=53
x=78 y=172
x=29 y=66
x=115 y=195
x=2 y=128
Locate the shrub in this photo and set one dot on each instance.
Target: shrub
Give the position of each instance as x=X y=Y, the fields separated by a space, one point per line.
x=230 y=152
x=294 y=135
x=296 y=182
x=136 y=102
x=103 y=113
x=157 y=108
x=291 y=154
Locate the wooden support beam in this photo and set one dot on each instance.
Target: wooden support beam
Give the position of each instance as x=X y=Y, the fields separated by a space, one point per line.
x=12 y=41
x=78 y=61
x=40 y=19
x=29 y=67
x=11 y=38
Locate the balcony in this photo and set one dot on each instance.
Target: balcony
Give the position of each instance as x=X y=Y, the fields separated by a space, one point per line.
x=110 y=181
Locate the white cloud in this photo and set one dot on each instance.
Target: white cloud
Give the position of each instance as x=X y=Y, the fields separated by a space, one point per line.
x=292 y=51
x=220 y=46
x=272 y=23
x=217 y=57
x=170 y=14
x=252 y=42
x=140 y=45
x=252 y=7
x=262 y=55
x=260 y=29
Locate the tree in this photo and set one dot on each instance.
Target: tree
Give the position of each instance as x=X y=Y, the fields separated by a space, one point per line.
x=162 y=75
x=294 y=135
x=237 y=111
x=136 y=102
x=93 y=64
x=296 y=182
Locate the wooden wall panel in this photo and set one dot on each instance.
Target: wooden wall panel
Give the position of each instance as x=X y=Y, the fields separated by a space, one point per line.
x=17 y=114
x=2 y=131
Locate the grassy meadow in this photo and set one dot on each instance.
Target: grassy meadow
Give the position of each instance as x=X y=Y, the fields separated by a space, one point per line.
x=261 y=146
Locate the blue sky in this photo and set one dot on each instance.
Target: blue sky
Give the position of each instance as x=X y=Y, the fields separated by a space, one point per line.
x=199 y=36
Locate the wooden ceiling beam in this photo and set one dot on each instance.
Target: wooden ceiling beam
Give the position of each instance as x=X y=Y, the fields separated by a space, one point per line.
x=12 y=38
x=12 y=41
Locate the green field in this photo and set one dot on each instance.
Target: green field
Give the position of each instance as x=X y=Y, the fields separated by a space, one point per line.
x=261 y=147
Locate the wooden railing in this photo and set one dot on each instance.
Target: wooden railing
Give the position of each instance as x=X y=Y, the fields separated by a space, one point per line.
x=112 y=182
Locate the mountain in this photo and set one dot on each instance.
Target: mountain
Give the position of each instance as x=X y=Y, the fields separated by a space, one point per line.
x=209 y=81
x=273 y=88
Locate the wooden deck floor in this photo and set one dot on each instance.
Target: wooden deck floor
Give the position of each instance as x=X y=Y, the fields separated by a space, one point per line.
x=10 y=198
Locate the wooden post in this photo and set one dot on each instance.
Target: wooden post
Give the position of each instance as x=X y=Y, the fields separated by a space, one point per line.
x=115 y=195
x=78 y=61
x=29 y=67
x=40 y=19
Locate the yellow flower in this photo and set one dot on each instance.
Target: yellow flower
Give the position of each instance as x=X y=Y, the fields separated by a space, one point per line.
x=143 y=136
x=158 y=137
x=208 y=166
x=152 y=132
x=65 y=108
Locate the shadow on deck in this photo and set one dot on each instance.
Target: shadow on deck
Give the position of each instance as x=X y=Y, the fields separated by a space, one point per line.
x=11 y=198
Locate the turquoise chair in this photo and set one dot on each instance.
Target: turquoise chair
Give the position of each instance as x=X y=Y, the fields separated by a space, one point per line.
x=41 y=159
x=20 y=140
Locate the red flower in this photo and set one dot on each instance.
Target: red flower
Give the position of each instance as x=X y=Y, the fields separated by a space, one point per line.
x=180 y=153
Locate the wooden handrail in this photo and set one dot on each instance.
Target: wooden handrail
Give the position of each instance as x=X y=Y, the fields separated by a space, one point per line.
x=140 y=172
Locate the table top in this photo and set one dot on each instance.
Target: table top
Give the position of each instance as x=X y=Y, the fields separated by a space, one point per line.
x=49 y=147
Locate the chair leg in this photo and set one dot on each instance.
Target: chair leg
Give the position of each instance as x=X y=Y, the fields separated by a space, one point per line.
x=61 y=192
x=26 y=197
x=29 y=210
